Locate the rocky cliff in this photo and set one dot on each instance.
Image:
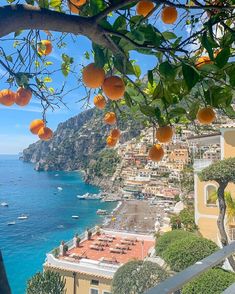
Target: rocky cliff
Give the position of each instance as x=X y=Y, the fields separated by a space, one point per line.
x=79 y=144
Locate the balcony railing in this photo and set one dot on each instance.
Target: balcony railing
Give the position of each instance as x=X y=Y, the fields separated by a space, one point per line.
x=176 y=283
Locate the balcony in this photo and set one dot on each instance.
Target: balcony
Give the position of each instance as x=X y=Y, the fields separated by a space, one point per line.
x=200 y=164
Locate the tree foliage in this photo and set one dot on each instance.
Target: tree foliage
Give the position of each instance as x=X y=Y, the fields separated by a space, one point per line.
x=164 y=241
x=46 y=283
x=135 y=277
x=177 y=84
x=187 y=219
x=222 y=171
x=214 y=281
x=185 y=252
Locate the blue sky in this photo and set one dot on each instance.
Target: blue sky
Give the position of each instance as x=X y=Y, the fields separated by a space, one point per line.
x=14 y=121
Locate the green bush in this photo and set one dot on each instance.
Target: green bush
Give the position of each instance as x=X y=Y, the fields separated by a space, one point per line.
x=135 y=277
x=185 y=252
x=214 y=281
x=165 y=240
x=187 y=219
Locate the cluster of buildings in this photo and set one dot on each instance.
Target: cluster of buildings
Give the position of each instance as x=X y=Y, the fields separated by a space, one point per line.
x=143 y=178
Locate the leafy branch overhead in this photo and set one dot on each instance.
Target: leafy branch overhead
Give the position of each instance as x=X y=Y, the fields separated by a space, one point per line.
x=191 y=76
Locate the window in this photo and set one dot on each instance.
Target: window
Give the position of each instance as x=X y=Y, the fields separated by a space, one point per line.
x=94 y=291
x=211 y=195
x=94 y=282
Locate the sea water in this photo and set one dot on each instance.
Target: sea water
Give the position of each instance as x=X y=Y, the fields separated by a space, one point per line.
x=49 y=210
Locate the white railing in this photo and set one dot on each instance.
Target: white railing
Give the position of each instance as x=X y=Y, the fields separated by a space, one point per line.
x=200 y=164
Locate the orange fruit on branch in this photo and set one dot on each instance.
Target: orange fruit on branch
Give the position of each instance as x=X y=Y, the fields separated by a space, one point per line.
x=115 y=133
x=169 y=14
x=23 y=96
x=164 y=134
x=144 y=7
x=99 y=101
x=73 y=8
x=206 y=115
x=114 y=88
x=111 y=142
x=36 y=125
x=156 y=152
x=110 y=118
x=45 y=133
x=7 y=97
x=93 y=76
x=45 y=47
x=202 y=61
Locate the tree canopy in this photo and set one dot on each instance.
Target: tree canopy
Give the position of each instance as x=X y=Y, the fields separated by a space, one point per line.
x=190 y=42
x=136 y=276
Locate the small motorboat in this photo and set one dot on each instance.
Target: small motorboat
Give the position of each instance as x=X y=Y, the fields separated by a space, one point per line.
x=56 y=175
x=59 y=188
x=75 y=216
x=4 y=204
x=60 y=227
x=22 y=217
x=11 y=223
x=102 y=212
x=81 y=197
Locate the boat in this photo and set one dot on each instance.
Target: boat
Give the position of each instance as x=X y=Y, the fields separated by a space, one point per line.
x=5 y=204
x=11 y=223
x=75 y=216
x=22 y=217
x=60 y=188
x=81 y=197
x=92 y=196
x=102 y=212
x=60 y=227
x=56 y=175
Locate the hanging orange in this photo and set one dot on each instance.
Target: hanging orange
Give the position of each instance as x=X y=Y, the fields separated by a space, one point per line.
x=36 y=125
x=156 y=152
x=115 y=133
x=7 y=97
x=114 y=88
x=93 y=76
x=110 y=118
x=144 y=7
x=99 y=101
x=164 y=134
x=111 y=142
x=169 y=15
x=45 y=133
x=202 y=61
x=206 y=115
x=23 y=96
x=48 y=47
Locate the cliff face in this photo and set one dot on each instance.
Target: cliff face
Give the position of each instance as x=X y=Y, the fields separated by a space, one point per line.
x=78 y=144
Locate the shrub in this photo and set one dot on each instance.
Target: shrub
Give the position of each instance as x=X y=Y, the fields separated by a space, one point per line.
x=185 y=252
x=165 y=240
x=187 y=219
x=47 y=282
x=214 y=281
x=135 y=277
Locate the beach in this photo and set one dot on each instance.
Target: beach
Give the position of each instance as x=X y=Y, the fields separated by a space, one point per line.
x=135 y=216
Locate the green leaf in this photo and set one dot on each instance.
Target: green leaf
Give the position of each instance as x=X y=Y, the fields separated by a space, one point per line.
x=9 y=58
x=150 y=77
x=207 y=45
x=128 y=100
x=99 y=56
x=193 y=110
x=147 y=110
x=120 y=23
x=47 y=80
x=158 y=92
x=176 y=112
x=137 y=70
x=65 y=68
x=167 y=70
x=55 y=3
x=169 y=35
x=190 y=74
x=223 y=57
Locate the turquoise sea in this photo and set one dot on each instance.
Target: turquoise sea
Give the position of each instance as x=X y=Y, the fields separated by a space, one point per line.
x=25 y=244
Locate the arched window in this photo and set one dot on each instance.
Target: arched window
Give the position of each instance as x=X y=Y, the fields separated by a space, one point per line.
x=211 y=195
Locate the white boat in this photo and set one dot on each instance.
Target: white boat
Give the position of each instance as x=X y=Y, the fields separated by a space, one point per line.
x=22 y=217
x=5 y=204
x=11 y=223
x=56 y=175
x=102 y=212
x=60 y=188
x=81 y=197
x=75 y=216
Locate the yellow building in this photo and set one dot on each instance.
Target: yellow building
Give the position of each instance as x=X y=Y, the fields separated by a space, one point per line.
x=206 y=208
x=89 y=267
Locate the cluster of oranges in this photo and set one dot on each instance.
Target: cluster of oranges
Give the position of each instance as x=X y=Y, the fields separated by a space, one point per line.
x=23 y=96
x=164 y=134
x=113 y=87
x=169 y=13
x=74 y=5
